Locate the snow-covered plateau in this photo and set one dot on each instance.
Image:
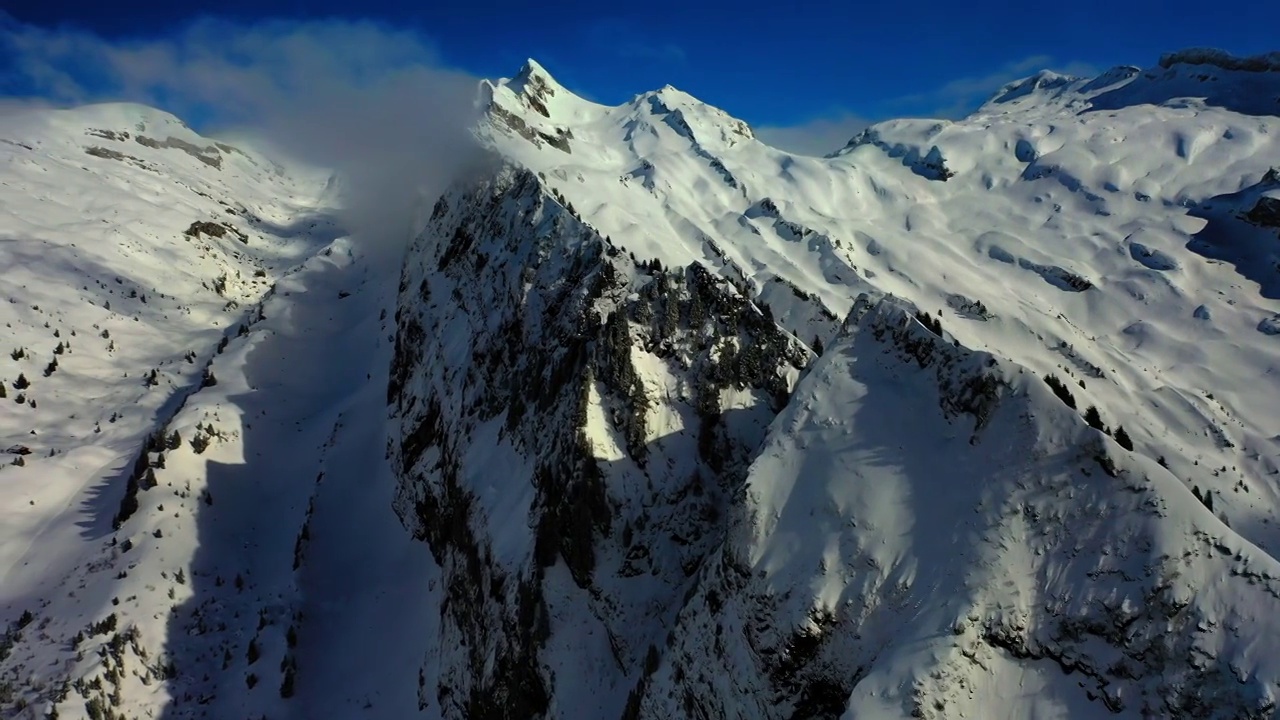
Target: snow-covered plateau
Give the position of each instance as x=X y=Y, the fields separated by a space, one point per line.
x=971 y=418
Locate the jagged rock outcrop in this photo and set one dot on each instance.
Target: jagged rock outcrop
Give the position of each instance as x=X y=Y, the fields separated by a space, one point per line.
x=619 y=404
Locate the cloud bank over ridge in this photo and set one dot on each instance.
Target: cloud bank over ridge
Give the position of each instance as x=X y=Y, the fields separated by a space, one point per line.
x=371 y=102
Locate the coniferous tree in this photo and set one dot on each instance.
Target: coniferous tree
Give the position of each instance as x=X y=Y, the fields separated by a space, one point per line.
x=1205 y=497
x=644 y=310
x=697 y=310
x=199 y=443
x=670 y=317
x=1094 y=418
x=925 y=320
x=932 y=324
x=1123 y=439
x=22 y=383
x=817 y=346
x=286 y=684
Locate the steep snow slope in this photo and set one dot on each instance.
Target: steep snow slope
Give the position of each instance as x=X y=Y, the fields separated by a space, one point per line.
x=928 y=532
x=203 y=470
x=1044 y=437
x=130 y=245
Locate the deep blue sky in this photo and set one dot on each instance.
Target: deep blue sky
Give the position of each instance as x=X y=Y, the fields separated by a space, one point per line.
x=769 y=63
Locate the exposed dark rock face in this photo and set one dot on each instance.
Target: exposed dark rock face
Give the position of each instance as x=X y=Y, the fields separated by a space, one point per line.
x=208 y=155
x=1266 y=212
x=559 y=140
x=524 y=335
x=117 y=135
x=216 y=230
x=109 y=154
x=1269 y=62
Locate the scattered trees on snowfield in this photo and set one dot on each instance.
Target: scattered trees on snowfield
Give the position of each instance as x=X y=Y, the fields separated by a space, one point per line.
x=1060 y=390
x=933 y=324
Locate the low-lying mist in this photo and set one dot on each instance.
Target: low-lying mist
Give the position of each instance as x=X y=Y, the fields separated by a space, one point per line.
x=394 y=147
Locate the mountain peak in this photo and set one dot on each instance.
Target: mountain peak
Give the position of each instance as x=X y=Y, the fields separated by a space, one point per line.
x=536 y=89
x=1044 y=81
x=533 y=79
x=532 y=68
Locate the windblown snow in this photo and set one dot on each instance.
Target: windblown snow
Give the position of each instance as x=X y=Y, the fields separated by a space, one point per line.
x=974 y=418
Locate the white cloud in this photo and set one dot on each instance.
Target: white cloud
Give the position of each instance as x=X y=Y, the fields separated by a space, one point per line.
x=371 y=102
x=212 y=60
x=818 y=137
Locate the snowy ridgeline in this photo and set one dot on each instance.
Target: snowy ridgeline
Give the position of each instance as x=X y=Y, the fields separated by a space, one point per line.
x=969 y=419
x=1020 y=431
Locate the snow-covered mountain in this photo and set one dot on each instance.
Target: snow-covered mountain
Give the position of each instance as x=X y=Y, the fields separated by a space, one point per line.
x=970 y=418
x=192 y=418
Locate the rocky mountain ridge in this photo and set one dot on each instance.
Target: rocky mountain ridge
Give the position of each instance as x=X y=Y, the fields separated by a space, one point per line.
x=911 y=520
